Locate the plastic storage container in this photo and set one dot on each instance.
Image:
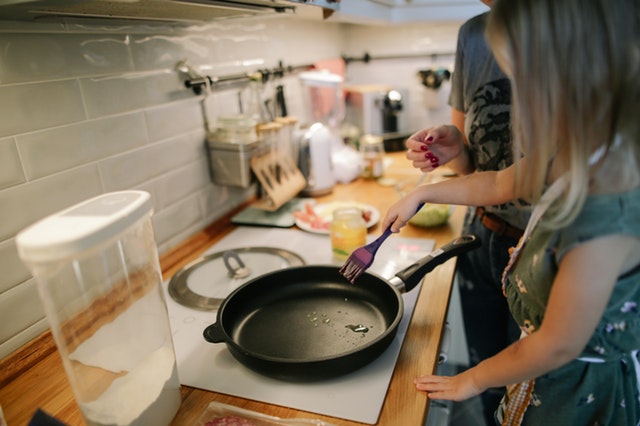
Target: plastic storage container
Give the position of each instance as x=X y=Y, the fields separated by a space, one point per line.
x=98 y=275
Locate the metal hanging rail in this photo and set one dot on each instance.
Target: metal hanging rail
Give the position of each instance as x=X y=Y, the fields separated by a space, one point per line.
x=198 y=83
x=366 y=57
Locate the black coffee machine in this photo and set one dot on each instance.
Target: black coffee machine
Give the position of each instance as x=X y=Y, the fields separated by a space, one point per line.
x=380 y=110
x=391 y=106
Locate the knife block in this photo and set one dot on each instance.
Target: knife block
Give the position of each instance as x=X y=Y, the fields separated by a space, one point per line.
x=279 y=177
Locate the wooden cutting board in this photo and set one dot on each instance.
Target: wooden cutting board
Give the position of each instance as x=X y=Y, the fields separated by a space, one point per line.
x=281 y=218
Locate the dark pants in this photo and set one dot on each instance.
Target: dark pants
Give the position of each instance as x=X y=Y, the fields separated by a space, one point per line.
x=489 y=326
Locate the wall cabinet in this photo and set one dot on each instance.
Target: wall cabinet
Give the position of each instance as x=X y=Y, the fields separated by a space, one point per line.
x=405 y=11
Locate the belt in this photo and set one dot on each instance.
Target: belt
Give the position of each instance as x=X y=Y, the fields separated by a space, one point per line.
x=498 y=225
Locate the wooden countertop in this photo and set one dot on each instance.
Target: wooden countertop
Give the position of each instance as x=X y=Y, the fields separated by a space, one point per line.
x=33 y=376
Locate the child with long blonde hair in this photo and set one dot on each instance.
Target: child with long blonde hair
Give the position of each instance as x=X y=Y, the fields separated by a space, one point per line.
x=573 y=282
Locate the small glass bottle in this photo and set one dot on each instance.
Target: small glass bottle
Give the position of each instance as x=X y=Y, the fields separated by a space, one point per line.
x=348 y=232
x=372 y=150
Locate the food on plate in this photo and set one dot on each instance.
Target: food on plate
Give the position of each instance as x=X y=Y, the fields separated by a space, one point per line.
x=431 y=215
x=311 y=218
x=366 y=215
x=319 y=217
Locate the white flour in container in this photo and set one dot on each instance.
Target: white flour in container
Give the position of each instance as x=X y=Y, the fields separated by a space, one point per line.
x=127 y=398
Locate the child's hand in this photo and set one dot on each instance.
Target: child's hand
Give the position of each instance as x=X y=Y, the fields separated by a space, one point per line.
x=455 y=388
x=433 y=147
x=399 y=213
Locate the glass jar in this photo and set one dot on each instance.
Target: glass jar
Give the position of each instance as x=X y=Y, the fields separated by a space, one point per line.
x=235 y=129
x=348 y=232
x=372 y=150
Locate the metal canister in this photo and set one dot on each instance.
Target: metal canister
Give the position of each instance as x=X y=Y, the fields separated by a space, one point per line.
x=231 y=147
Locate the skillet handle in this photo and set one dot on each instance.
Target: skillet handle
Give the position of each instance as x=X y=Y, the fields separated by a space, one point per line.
x=213 y=333
x=413 y=274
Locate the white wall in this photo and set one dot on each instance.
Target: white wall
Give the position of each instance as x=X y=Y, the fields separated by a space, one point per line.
x=429 y=45
x=88 y=109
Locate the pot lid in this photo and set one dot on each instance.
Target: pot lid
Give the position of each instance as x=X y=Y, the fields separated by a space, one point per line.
x=204 y=283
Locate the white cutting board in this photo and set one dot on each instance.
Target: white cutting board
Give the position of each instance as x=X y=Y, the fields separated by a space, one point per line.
x=357 y=396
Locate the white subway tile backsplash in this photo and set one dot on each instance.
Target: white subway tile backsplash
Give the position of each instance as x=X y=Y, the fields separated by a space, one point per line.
x=24 y=204
x=135 y=167
x=36 y=57
x=216 y=200
x=61 y=148
x=20 y=307
x=174 y=186
x=198 y=48
x=28 y=107
x=13 y=270
x=10 y=167
x=179 y=216
x=16 y=341
x=128 y=92
x=173 y=119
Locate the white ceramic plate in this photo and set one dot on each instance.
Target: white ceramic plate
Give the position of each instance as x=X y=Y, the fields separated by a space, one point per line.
x=325 y=212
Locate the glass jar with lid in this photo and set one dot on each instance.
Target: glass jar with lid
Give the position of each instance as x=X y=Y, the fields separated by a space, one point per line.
x=372 y=150
x=348 y=231
x=240 y=129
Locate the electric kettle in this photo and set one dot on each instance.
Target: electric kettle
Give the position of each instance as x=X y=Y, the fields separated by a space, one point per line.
x=314 y=159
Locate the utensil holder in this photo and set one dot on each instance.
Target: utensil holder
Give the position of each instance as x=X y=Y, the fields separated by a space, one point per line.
x=280 y=178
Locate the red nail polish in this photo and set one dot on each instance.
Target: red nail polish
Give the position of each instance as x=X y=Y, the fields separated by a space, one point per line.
x=428 y=155
x=434 y=159
x=424 y=147
x=430 y=138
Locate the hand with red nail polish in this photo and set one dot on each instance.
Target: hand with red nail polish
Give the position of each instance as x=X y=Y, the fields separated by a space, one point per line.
x=429 y=148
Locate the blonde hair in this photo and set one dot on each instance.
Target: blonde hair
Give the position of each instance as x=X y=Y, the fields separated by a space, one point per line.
x=575 y=71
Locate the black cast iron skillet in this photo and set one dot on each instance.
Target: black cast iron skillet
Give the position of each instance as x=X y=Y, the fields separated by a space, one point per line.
x=307 y=323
